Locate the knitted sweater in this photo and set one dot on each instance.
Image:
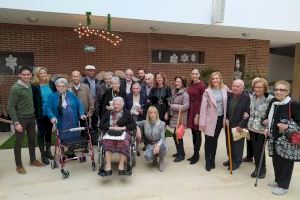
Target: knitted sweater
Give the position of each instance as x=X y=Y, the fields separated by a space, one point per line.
x=20 y=102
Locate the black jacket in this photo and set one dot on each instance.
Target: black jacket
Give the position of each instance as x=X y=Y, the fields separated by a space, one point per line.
x=37 y=98
x=126 y=120
x=242 y=107
x=107 y=97
x=143 y=102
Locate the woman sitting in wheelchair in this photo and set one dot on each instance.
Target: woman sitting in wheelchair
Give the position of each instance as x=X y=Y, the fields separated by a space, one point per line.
x=118 y=125
x=154 y=130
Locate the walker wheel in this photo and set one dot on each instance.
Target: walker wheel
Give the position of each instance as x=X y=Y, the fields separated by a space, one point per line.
x=65 y=174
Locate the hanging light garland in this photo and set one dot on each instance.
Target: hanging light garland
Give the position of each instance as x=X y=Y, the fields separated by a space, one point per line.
x=86 y=31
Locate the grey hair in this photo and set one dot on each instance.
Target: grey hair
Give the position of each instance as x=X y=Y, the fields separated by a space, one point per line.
x=115 y=78
x=61 y=80
x=240 y=82
x=149 y=75
x=119 y=99
x=138 y=84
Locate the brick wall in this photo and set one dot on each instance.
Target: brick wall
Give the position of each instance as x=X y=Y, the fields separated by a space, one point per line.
x=61 y=51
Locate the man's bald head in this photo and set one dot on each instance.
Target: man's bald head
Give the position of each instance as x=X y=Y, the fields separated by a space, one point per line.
x=238 y=86
x=76 y=75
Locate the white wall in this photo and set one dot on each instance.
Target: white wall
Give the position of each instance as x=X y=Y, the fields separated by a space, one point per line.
x=267 y=14
x=281 y=68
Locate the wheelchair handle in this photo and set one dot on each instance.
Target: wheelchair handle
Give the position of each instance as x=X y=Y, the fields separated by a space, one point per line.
x=75 y=129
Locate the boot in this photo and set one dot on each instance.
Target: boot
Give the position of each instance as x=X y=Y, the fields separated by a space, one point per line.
x=195 y=158
x=43 y=158
x=161 y=166
x=207 y=160
x=48 y=153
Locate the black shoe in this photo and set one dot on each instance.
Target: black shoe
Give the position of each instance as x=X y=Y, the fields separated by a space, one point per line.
x=234 y=167
x=247 y=159
x=45 y=161
x=71 y=155
x=122 y=172
x=262 y=173
x=254 y=174
x=226 y=163
x=105 y=173
x=138 y=153
x=179 y=159
x=212 y=164
x=194 y=160
x=189 y=159
x=175 y=155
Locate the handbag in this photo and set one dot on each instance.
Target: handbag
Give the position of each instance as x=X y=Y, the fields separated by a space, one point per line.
x=180 y=128
x=295 y=137
x=114 y=133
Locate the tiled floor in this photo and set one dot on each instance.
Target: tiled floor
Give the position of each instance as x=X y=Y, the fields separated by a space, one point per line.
x=179 y=181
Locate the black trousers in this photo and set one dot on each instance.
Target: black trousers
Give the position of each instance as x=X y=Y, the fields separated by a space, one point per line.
x=44 y=126
x=258 y=140
x=237 y=148
x=179 y=146
x=197 y=140
x=283 y=170
x=250 y=150
x=211 y=142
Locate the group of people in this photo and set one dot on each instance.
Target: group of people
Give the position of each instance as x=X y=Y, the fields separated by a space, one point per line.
x=119 y=102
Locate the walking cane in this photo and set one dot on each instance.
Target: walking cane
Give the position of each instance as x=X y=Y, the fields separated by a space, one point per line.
x=260 y=161
x=229 y=148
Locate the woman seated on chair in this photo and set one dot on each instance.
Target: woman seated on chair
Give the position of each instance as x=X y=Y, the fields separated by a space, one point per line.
x=154 y=130
x=118 y=119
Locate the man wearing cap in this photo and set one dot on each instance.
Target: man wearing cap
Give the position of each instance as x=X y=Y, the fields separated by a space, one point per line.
x=91 y=82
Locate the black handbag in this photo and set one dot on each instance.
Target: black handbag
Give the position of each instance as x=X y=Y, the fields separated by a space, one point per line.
x=115 y=133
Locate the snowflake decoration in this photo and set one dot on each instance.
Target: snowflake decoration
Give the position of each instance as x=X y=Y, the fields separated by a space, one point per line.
x=184 y=58
x=11 y=62
x=193 y=57
x=173 y=58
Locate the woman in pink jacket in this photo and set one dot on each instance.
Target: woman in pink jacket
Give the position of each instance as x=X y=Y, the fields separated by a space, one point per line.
x=212 y=116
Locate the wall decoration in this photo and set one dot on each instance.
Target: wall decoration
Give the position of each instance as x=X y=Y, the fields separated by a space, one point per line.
x=11 y=62
x=239 y=66
x=173 y=57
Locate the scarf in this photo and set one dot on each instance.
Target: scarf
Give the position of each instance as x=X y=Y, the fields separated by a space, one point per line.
x=62 y=103
x=276 y=103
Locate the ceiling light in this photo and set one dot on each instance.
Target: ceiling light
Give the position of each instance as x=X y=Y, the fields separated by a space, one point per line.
x=32 y=19
x=154 y=28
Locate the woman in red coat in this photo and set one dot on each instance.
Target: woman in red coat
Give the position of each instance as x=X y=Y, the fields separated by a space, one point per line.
x=195 y=91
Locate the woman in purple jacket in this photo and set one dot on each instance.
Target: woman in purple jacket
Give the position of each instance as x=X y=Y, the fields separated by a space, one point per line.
x=212 y=116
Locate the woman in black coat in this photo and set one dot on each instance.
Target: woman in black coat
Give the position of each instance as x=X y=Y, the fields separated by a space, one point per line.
x=42 y=88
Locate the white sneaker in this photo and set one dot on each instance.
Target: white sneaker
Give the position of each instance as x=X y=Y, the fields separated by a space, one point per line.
x=272 y=184
x=279 y=191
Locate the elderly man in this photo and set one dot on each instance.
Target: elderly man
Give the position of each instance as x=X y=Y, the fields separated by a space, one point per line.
x=101 y=89
x=127 y=83
x=91 y=82
x=21 y=111
x=149 y=82
x=238 y=108
x=82 y=91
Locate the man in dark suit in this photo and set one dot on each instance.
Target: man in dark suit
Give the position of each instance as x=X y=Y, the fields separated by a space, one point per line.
x=127 y=83
x=237 y=117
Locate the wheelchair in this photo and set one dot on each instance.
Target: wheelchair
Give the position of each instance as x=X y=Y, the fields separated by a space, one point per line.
x=81 y=146
x=131 y=161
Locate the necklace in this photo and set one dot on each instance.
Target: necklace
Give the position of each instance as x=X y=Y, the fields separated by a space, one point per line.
x=159 y=95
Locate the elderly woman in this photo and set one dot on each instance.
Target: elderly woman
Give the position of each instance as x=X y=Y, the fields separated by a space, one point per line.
x=179 y=100
x=212 y=116
x=118 y=119
x=154 y=130
x=283 y=119
x=114 y=91
x=42 y=88
x=259 y=102
x=65 y=109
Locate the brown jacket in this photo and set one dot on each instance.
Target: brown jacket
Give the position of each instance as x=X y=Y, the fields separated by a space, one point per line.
x=85 y=96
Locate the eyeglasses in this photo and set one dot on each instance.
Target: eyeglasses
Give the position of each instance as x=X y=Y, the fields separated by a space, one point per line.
x=280 y=90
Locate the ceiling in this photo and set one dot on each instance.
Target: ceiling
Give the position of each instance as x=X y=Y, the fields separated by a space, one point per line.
x=277 y=38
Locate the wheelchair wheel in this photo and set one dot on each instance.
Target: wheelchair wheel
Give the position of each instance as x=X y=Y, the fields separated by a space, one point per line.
x=64 y=174
x=133 y=158
x=101 y=157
